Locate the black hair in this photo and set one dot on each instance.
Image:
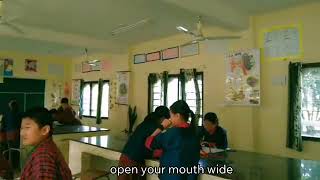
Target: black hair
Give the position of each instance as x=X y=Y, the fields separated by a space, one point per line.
x=41 y=116
x=163 y=112
x=53 y=111
x=14 y=106
x=184 y=110
x=212 y=117
x=65 y=100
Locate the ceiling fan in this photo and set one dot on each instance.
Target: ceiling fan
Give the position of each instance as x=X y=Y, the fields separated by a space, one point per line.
x=124 y=28
x=199 y=36
x=5 y=21
x=91 y=62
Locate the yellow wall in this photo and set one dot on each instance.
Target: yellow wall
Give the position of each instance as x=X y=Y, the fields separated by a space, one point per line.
x=118 y=113
x=271 y=118
x=42 y=65
x=262 y=129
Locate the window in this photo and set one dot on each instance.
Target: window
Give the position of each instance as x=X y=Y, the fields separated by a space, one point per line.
x=310 y=101
x=157 y=94
x=90 y=99
x=174 y=93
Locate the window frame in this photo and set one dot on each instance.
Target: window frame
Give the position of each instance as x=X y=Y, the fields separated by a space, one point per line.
x=179 y=93
x=93 y=82
x=308 y=138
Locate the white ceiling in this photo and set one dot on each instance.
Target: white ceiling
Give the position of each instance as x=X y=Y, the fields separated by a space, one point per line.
x=66 y=27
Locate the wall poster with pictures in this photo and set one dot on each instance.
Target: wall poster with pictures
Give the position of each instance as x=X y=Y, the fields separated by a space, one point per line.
x=282 y=43
x=189 y=49
x=170 y=53
x=154 y=56
x=243 y=78
x=31 y=65
x=139 y=58
x=8 y=67
x=122 y=94
x=75 y=95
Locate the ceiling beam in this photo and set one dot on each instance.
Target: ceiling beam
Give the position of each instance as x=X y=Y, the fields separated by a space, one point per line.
x=228 y=17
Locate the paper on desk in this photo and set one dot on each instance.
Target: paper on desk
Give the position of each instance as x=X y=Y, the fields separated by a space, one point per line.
x=212 y=150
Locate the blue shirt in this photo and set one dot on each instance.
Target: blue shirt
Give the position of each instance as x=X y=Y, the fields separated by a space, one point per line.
x=180 y=149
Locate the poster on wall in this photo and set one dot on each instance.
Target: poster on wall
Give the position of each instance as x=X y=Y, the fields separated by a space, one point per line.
x=154 y=56
x=189 y=49
x=170 y=53
x=140 y=58
x=31 y=65
x=75 y=95
x=282 y=43
x=56 y=92
x=8 y=67
x=122 y=95
x=243 y=78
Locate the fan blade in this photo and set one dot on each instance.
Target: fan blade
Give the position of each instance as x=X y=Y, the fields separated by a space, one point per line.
x=222 y=37
x=190 y=42
x=14 y=27
x=185 y=30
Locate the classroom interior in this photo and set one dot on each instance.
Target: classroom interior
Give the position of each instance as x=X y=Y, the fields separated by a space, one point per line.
x=63 y=39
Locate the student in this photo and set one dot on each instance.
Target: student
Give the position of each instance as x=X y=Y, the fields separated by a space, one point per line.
x=45 y=160
x=66 y=115
x=180 y=143
x=11 y=122
x=135 y=152
x=212 y=134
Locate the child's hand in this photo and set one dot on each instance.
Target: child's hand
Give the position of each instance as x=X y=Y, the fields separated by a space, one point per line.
x=203 y=154
x=166 y=123
x=208 y=144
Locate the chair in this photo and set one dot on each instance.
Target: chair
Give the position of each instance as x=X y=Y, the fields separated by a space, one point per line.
x=10 y=159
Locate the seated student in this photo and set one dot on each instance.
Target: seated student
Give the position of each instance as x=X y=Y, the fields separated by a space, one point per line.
x=135 y=152
x=65 y=114
x=45 y=161
x=212 y=134
x=180 y=143
x=5 y=169
x=10 y=126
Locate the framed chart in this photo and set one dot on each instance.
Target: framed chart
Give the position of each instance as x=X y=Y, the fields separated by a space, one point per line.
x=170 y=53
x=75 y=95
x=139 y=58
x=122 y=94
x=282 y=43
x=243 y=78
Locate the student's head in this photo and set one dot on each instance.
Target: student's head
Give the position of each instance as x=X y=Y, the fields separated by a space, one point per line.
x=163 y=112
x=64 y=102
x=210 y=122
x=36 y=126
x=180 y=112
x=13 y=106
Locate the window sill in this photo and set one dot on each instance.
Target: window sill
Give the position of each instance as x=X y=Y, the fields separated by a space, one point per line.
x=313 y=139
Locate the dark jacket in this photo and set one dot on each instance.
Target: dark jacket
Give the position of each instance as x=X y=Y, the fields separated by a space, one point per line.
x=219 y=137
x=180 y=149
x=135 y=148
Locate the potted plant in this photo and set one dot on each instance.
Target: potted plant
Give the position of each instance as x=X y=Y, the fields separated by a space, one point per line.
x=132 y=113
